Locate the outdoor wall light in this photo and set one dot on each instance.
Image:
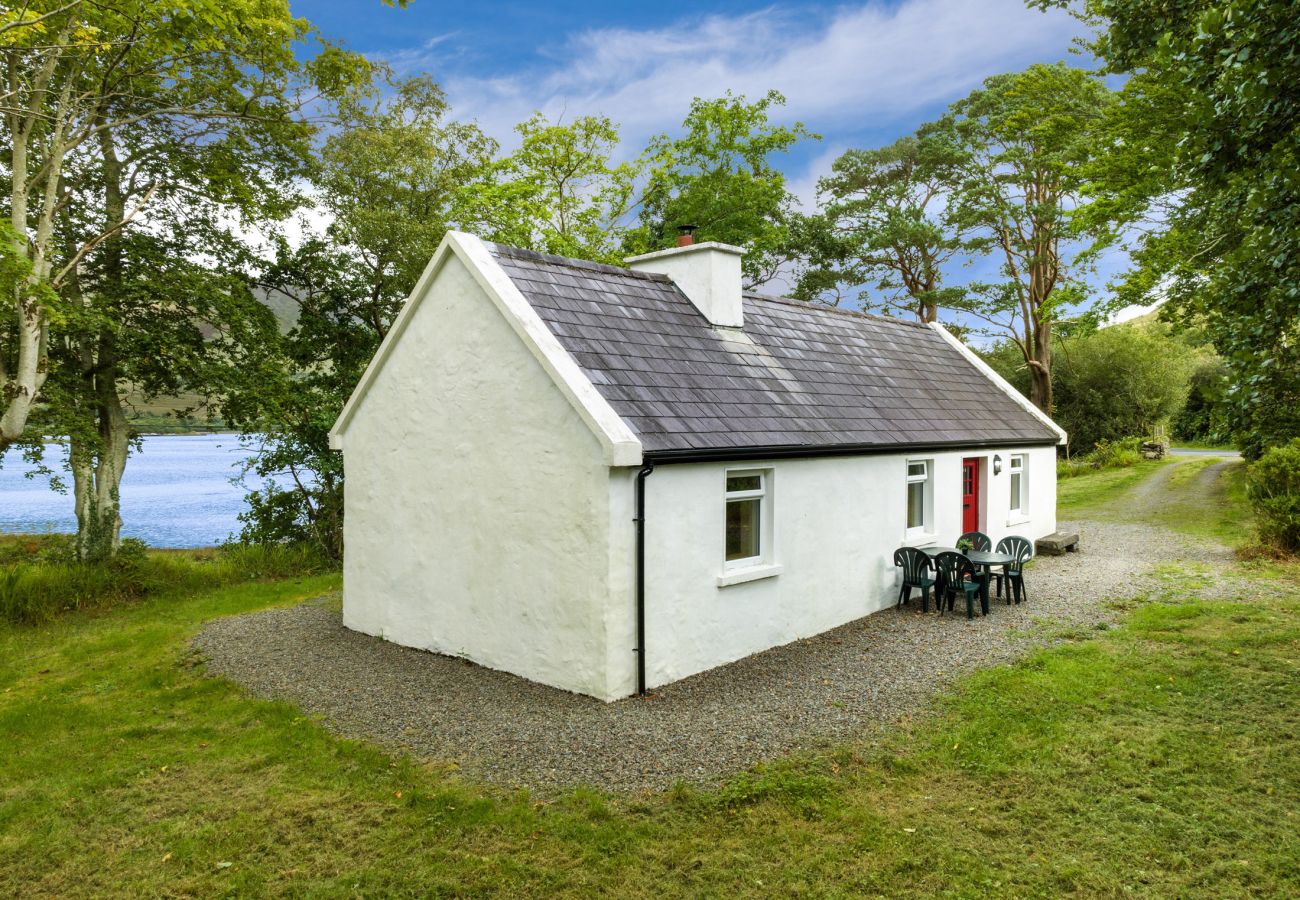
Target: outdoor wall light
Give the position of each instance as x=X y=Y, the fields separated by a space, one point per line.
x=997 y=464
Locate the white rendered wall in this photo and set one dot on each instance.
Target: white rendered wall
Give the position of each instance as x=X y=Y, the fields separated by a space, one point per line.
x=836 y=521
x=477 y=501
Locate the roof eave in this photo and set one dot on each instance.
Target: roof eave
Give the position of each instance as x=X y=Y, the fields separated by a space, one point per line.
x=803 y=451
x=1007 y=388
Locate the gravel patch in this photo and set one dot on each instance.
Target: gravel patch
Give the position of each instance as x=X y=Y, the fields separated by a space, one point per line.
x=844 y=684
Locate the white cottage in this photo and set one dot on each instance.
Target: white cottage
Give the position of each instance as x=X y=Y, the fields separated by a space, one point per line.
x=607 y=479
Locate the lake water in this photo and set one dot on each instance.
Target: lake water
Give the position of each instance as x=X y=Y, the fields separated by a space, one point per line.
x=176 y=492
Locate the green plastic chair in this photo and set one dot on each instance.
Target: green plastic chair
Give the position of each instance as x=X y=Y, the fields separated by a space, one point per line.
x=1014 y=574
x=958 y=574
x=978 y=541
x=916 y=567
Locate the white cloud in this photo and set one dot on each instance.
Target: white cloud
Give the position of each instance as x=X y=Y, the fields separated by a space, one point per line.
x=857 y=67
x=414 y=60
x=804 y=185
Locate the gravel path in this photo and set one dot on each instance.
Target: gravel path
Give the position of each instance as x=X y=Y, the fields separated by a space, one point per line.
x=840 y=685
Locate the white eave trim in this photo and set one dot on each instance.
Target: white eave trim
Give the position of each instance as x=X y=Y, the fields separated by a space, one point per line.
x=1001 y=382
x=621 y=446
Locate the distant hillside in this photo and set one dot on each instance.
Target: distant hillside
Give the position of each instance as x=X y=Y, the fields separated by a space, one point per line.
x=187 y=412
x=284 y=308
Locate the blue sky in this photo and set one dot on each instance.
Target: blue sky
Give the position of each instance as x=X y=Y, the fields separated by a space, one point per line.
x=859 y=73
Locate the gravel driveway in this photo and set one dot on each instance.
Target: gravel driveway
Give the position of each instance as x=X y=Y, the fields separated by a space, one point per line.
x=839 y=685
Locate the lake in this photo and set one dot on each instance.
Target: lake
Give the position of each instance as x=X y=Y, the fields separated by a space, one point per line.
x=176 y=492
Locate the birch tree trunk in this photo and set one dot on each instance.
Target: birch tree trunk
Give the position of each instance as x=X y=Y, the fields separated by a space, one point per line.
x=98 y=464
x=97 y=469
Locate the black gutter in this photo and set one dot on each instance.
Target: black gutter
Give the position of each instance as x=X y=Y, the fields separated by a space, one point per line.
x=801 y=451
x=640 y=573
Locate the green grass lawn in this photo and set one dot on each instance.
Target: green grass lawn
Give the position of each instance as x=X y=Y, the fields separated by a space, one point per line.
x=1158 y=758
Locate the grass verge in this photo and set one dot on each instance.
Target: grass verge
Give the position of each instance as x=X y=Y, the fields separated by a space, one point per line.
x=39 y=580
x=1091 y=491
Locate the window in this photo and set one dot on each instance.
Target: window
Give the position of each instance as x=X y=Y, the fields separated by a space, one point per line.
x=747 y=515
x=1017 y=469
x=918 y=494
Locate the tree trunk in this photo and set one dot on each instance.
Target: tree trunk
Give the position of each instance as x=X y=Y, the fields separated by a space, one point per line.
x=19 y=388
x=97 y=470
x=98 y=465
x=1040 y=367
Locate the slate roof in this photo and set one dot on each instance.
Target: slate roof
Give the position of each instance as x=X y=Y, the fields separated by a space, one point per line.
x=798 y=376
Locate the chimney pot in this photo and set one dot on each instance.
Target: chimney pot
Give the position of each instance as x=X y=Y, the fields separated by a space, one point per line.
x=686 y=235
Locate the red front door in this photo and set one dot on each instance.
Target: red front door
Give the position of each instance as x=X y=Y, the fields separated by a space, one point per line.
x=970 y=495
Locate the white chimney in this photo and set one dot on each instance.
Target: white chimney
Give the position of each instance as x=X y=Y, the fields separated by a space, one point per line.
x=708 y=274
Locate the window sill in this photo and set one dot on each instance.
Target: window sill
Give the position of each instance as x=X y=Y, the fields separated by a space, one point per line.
x=749 y=573
x=1017 y=519
x=922 y=539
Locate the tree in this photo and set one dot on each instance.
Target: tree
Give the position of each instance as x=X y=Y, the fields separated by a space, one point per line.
x=392 y=179
x=560 y=191
x=76 y=73
x=881 y=224
x=1024 y=138
x=1202 y=417
x=1201 y=182
x=168 y=119
x=720 y=175
x=1114 y=382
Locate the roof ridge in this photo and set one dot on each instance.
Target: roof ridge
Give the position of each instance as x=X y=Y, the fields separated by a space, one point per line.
x=570 y=262
x=835 y=310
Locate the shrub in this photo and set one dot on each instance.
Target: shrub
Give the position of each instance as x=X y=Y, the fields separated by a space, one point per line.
x=35 y=588
x=30 y=548
x=1117 y=454
x=1273 y=486
x=1118 y=381
x=1204 y=417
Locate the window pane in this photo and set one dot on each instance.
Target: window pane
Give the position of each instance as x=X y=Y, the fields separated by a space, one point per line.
x=742 y=528
x=1017 y=462
x=1015 y=491
x=744 y=483
x=916 y=468
x=916 y=504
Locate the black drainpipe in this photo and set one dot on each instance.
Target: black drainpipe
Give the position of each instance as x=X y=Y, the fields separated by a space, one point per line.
x=640 y=574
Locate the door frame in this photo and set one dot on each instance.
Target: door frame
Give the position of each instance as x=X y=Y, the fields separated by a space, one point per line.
x=976 y=464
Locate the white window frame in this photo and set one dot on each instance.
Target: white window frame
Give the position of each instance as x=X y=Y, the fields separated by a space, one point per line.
x=764 y=496
x=1018 y=464
x=927 y=498
x=751 y=568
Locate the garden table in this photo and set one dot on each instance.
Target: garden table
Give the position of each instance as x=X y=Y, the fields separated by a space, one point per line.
x=985 y=559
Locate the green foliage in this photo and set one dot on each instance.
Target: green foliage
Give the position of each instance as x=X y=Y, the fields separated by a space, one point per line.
x=41 y=576
x=1273 y=486
x=720 y=174
x=881 y=225
x=560 y=192
x=135 y=111
x=1114 y=382
x=1105 y=454
x=1118 y=454
x=1204 y=417
x=1024 y=138
x=393 y=178
x=1201 y=184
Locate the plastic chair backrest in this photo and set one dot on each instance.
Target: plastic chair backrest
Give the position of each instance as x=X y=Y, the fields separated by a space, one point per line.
x=913 y=561
x=954 y=567
x=1020 y=547
x=978 y=540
